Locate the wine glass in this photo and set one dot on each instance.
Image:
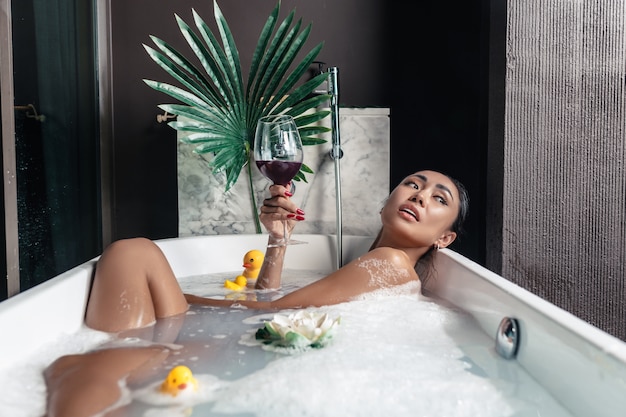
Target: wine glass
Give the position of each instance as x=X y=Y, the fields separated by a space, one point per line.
x=278 y=155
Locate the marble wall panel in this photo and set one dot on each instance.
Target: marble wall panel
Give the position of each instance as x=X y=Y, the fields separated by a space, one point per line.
x=206 y=209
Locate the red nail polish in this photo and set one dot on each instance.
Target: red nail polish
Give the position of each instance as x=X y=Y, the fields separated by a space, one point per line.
x=291 y=216
x=299 y=217
x=300 y=211
x=288 y=194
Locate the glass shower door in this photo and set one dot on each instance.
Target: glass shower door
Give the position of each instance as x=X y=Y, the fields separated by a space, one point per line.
x=56 y=137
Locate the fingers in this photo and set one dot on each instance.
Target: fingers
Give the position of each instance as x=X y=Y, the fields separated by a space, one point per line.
x=271 y=210
x=280 y=206
x=278 y=209
x=292 y=188
x=280 y=190
x=278 y=213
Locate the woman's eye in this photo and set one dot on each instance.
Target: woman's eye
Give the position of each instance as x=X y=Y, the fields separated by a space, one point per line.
x=441 y=200
x=413 y=184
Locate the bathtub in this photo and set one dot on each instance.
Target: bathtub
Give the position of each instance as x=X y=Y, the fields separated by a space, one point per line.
x=580 y=366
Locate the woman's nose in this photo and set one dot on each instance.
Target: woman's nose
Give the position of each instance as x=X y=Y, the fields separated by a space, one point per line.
x=417 y=198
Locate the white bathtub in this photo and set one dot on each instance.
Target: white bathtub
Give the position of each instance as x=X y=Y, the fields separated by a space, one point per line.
x=583 y=368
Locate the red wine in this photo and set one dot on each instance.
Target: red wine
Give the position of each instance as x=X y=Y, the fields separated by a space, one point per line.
x=281 y=172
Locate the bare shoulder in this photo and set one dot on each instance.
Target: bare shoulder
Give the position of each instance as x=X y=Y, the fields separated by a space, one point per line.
x=396 y=257
x=380 y=268
x=388 y=265
x=386 y=251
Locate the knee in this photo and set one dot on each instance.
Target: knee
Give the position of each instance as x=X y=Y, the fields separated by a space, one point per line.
x=131 y=247
x=130 y=244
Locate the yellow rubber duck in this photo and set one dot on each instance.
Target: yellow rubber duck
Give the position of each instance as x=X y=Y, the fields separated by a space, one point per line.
x=239 y=284
x=252 y=262
x=180 y=379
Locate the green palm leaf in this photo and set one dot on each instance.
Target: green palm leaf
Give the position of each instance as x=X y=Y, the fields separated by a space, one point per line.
x=184 y=71
x=264 y=40
x=215 y=109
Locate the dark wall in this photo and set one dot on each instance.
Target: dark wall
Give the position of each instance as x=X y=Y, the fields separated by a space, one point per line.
x=425 y=62
x=439 y=101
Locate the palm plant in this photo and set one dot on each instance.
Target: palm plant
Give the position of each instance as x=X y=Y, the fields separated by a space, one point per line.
x=219 y=115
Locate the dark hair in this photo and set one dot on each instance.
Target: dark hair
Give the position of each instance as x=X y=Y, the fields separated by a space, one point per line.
x=425 y=264
x=457 y=226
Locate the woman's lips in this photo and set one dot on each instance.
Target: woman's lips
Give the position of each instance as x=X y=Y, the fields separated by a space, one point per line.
x=409 y=212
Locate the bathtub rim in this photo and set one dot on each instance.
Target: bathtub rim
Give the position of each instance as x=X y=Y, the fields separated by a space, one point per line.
x=583 y=367
x=591 y=371
x=549 y=311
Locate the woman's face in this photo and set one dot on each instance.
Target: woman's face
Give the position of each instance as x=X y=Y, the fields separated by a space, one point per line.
x=421 y=210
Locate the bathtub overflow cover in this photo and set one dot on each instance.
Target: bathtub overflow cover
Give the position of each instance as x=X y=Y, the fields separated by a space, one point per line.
x=507 y=339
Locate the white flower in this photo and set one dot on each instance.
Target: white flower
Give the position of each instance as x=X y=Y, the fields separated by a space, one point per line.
x=301 y=329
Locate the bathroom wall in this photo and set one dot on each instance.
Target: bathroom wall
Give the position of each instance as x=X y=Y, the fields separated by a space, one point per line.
x=564 y=167
x=144 y=163
x=204 y=208
x=434 y=88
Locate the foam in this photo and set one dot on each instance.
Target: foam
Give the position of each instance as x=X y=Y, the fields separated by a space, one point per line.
x=382 y=272
x=396 y=352
x=23 y=387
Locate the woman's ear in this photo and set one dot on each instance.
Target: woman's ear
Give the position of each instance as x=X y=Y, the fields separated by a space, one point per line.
x=446 y=239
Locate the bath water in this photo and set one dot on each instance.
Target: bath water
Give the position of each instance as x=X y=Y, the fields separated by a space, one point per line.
x=394 y=352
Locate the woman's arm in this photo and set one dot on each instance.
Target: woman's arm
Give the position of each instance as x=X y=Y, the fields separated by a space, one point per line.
x=377 y=269
x=272 y=269
x=276 y=209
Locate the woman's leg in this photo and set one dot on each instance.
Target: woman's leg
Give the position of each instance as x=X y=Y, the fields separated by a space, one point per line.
x=133 y=286
x=86 y=384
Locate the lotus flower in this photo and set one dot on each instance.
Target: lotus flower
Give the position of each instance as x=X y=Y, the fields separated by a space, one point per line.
x=298 y=330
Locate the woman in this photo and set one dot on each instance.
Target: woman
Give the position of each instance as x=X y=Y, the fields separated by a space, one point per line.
x=134 y=285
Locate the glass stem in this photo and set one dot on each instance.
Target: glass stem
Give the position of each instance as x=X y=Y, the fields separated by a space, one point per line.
x=285 y=237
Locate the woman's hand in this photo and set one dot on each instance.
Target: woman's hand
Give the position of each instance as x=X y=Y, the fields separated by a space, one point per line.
x=279 y=207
